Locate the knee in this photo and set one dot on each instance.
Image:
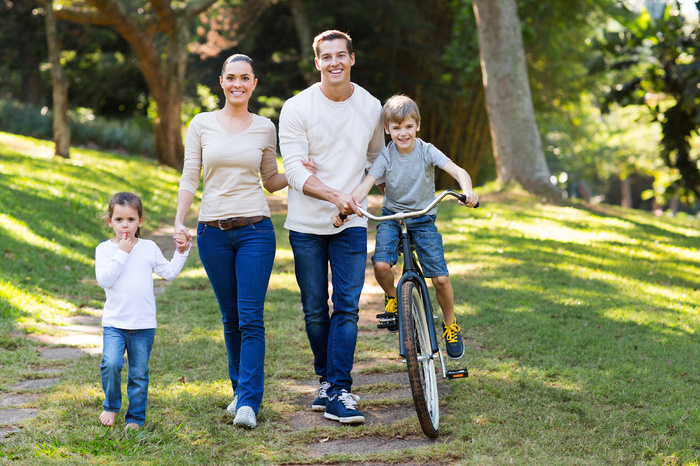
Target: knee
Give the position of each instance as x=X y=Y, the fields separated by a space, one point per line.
x=441 y=283
x=381 y=268
x=112 y=364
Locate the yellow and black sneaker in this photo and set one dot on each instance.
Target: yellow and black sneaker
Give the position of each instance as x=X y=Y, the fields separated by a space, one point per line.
x=453 y=340
x=390 y=318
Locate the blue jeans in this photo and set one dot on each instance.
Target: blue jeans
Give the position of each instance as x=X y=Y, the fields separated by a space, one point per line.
x=138 y=345
x=332 y=337
x=425 y=236
x=238 y=263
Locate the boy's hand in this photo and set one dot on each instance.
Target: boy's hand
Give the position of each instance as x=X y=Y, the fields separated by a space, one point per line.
x=126 y=242
x=472 y=199
x=337 y=221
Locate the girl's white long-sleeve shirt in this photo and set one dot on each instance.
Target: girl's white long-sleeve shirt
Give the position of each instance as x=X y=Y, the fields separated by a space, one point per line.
x=127 y=279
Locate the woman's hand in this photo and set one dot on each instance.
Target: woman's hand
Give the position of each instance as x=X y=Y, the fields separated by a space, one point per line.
x=310 y=165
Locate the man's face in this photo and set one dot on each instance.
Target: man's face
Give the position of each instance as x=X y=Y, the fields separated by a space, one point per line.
x=334 y=62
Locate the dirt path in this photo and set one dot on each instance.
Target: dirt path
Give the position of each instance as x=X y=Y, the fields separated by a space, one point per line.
x=83 y=335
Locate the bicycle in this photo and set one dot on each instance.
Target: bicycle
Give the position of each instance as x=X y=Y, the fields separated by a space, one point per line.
x=418 y=342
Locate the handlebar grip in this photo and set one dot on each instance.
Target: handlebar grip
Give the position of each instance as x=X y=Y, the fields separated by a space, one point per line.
x=342 y=217
x=463 y=198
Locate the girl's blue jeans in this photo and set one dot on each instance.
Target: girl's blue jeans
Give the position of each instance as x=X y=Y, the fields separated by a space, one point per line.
x=138 y=345
x=238 y=263
x=332 y=336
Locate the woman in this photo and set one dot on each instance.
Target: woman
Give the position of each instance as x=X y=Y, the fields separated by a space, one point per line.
x=234 y=149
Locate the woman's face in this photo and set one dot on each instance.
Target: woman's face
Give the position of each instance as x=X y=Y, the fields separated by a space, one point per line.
x=238 y=82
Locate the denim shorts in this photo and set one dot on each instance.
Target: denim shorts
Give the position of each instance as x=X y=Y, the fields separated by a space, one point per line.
x=426 y=237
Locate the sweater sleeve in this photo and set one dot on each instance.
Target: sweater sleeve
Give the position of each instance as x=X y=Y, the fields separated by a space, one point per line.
x=108 y=269
x=166 y=269
x=192 y=167
x=294 y=146
x=268 y=164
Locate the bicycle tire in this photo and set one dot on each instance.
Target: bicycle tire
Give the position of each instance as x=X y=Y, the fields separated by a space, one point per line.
x=419 y=361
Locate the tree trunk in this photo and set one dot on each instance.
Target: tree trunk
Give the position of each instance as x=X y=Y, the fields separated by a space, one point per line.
x=306 y=38
x=626 y=192
x=61 y=125
x=517 y=146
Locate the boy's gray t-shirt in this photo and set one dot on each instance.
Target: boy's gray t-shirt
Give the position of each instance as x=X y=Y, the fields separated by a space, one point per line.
x=410 y=178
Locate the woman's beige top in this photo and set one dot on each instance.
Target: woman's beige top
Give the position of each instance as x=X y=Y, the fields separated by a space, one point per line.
x=231 y=165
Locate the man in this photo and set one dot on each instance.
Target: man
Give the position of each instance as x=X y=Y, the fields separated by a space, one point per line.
x=338 y=124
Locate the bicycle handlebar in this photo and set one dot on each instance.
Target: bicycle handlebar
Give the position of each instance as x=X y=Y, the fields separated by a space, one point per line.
x=417 y=213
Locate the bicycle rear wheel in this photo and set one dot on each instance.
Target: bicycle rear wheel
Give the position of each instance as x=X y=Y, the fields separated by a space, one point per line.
x=419 y=361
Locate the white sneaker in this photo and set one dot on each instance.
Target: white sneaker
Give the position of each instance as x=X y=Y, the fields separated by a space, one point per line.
x=231 y=410
x=245 y=417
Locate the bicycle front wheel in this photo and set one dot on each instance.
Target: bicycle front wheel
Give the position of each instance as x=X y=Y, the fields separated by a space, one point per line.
x=419 y=360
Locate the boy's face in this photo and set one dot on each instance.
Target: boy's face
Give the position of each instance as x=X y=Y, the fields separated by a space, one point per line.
x=403 y=134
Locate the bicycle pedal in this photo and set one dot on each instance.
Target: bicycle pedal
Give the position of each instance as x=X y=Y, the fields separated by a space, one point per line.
x=457 y=374
x=387 y=319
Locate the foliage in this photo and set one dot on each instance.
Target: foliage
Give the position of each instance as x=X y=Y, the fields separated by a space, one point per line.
x=659 y=55
x=131 y=136
x=581 y=327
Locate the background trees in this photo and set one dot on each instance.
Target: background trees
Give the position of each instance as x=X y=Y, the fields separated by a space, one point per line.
x=428 y=50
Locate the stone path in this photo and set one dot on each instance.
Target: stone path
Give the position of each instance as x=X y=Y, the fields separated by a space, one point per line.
x=82 y=335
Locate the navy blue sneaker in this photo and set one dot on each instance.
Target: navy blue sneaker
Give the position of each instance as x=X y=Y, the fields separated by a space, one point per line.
x=319 y=404
x=341 y=407
x=453 y=340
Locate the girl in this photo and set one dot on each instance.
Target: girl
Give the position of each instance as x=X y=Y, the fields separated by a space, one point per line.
x=124 y=266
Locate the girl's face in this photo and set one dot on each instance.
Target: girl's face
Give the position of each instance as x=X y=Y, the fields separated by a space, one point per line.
x=238 y=82
x=125 y=220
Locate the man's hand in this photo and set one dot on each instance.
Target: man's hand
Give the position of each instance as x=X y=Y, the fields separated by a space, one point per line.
x=336 y=220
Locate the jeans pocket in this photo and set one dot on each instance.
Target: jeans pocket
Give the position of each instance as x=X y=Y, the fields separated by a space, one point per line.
x=201 y=230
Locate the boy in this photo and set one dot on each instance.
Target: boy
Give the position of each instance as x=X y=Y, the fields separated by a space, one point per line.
x=407 y=164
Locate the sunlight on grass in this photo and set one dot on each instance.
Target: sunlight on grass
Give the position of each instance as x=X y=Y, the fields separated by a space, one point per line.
x=193 y=273
x=37 y=306
x=21 y=232
x=283 y=281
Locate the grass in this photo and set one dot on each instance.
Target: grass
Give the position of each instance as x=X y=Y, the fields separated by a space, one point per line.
x=581 y=325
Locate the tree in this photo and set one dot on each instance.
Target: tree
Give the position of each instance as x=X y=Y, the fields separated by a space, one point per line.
x=61 y=125
x=661 y=66
x=516 y=140
x=159 y=32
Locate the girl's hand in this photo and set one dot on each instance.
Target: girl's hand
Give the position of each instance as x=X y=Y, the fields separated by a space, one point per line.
x=181 y=229
x=126 y=243
x=182 y=243
x=310 y=165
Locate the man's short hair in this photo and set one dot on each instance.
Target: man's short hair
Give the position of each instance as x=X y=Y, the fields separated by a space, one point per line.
x=332 y=34
x=399 y=107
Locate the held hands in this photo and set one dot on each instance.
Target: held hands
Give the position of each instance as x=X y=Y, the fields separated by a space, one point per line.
x=126 y=242
x=181 y=242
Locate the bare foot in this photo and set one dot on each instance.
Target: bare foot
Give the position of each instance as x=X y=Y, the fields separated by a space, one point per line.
x=132 y=426
x=107 y=418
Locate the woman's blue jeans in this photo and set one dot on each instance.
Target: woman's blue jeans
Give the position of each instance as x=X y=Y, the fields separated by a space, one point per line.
x=332 y=337
x=138 y=345
x=238 y=263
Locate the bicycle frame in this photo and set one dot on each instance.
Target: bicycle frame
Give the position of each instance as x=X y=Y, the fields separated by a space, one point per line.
x=412 y=271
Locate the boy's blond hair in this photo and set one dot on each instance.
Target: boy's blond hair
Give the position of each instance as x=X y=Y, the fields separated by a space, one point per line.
x=399 y=107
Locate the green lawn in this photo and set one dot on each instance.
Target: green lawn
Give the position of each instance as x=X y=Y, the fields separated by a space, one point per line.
x=581 y=325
